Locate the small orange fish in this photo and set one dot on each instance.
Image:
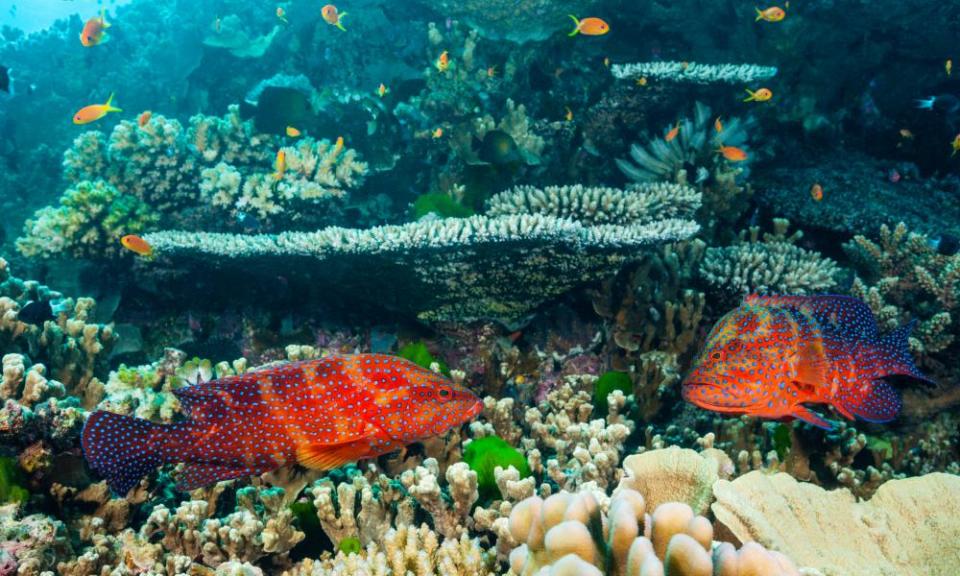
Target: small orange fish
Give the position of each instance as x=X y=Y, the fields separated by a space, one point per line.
x=569 y=114
x=773 y=356
x=816 y=192
x=761 y=95
x=94 y=31
x=293 y=132
x=771 y=14
x=641 y=81
x=718 y=125
x=438 y=133
x=948 y=66
x=589 y=26
x=144 y=118
x=672 y=133
x=137 y=245
x=955 y=145
x=332 y=17
x=443 y=61
x=280 y=165
x=732 y=153
x=606 y=62
x=382 y=90
x=320 y=414
x=684 y=65
x=338 y=147
x=492 y=72
x=94 y=112
x=282 y=15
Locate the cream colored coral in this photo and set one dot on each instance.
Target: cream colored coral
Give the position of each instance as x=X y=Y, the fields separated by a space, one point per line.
x=671 y=475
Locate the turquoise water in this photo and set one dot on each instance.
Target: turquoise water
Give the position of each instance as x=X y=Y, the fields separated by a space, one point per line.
x=479 y=287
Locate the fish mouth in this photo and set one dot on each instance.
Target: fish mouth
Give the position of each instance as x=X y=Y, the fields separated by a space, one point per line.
x=475 y=410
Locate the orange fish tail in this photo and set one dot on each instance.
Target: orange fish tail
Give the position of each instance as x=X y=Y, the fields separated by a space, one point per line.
x=576 y=25
x=124 y=449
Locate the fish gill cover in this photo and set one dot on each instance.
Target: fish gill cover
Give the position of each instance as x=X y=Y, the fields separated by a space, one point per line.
x=481 y=287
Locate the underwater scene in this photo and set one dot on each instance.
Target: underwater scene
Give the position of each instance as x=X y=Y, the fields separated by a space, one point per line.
x=479 y=287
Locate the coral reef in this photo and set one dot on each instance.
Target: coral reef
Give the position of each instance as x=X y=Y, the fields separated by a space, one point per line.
x=773 y=264
x=694 y=72
x=452 y=269
x=524 y=21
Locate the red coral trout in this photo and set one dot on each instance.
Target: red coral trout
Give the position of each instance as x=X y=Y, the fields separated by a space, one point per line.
x=775 y=354
x=320 y=414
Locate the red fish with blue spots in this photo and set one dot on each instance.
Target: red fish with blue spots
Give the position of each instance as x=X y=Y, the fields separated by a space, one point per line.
x=775 y=355
x=320 y=414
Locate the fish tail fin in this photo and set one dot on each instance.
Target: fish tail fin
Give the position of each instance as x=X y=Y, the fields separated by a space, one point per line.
x=123 y=449
x=759 y=14
x=576 y=25
x=752 y=95
x=110 y=106
x=895 y=353
x=340 y=21
x=926 y=103
x=103 y=18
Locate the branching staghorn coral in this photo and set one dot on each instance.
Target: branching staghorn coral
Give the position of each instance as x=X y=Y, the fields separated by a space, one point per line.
x=91 y=219
x=774 y=265
x=452 y=268
x=902 y=277
x=694 y=72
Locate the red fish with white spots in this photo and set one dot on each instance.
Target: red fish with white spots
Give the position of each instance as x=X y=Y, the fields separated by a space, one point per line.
x=320 y=414
x=774 y=355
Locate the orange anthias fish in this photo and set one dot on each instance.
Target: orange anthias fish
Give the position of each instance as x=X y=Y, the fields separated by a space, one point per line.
x=332 y=17
x=292 y=132
x=718 y=125
x=382 y=90
x=94 y=112
x=137 y=245
x=144 y=118
x=775 y=354
x=282 y=15
x=443 y=61
x=816 y=192
x=320 y=414
x=955 y=145
x=761 y=95
x=672 y=133
x=771 y=14
x=280 y=165
x=94 y=31
x=589 y=26
x=733 y=154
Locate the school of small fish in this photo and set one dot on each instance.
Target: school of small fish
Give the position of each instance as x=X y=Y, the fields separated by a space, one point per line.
x=319 y=414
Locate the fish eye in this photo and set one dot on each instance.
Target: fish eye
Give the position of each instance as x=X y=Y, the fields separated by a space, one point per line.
x=716 y=356
x=445 y=392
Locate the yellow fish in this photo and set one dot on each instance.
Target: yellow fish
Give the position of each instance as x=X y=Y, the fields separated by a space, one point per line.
x=761 y=95
x=282 y=15
x=641 y=81
x=492 y=72
x=771 y=14
x=338 y=147
x=949 y=66
x=718 y=125
x=955 y=145
x=438 y=133
x=383 y=90
x=569 y=114
x=292 y=132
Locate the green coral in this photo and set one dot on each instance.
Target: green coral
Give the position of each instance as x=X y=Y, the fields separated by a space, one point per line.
x=419 y=354
x=608 y=383
x=484 y=455
x=350 y=546
x=440 y=204
x=10 y=479
x=91 y=219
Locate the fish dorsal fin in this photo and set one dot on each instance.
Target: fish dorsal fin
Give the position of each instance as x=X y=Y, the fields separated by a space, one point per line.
x=845 y=318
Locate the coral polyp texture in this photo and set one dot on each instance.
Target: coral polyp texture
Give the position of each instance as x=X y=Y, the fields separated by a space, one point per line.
x=490 y=266
x=694 y=72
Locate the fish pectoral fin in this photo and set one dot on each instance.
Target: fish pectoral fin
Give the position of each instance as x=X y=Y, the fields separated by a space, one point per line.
x=801 y=412
x=811 y=367
x=330 y=456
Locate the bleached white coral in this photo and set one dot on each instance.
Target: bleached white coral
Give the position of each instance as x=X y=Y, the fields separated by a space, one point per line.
x=694 y=72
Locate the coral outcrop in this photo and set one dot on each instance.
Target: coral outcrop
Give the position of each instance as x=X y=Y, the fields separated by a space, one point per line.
x=694 y=72
x=458 y=268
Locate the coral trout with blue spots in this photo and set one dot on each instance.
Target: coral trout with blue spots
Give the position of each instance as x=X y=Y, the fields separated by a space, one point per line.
x=320 y=414
x=775 y=355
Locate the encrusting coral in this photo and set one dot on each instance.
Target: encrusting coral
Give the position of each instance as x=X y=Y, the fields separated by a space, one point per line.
x=452 y=268
x=773 y=264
